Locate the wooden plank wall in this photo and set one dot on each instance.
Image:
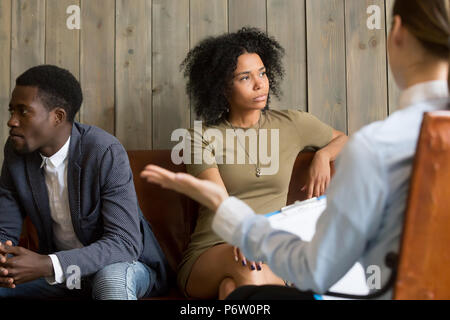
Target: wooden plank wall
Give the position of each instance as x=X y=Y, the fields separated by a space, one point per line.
x=127 y=58
x=5 y=69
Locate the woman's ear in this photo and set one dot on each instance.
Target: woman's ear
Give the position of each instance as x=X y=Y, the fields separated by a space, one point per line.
x=397 y=32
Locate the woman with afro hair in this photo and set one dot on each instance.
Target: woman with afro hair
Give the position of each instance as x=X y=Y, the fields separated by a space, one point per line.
x=230 y=79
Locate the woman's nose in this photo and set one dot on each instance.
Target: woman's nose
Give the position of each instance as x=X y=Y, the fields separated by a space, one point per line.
x=258 y=84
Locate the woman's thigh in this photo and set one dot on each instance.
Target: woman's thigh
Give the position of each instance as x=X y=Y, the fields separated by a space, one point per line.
x=216 y=264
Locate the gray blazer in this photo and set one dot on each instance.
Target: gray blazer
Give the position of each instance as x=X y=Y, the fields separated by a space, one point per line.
x=103 y=205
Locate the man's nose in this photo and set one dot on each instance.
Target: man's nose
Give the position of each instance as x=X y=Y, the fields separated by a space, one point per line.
x=13 y=122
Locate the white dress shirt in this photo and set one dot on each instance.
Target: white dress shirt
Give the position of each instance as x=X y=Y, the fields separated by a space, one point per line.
x=366 y=202
x=64 y=236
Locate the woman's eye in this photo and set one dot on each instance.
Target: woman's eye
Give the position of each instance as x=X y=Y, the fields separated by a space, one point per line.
x=244 y=78
x=262 y=74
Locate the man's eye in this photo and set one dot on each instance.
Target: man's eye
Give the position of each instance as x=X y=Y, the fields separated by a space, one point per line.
x=263 y=73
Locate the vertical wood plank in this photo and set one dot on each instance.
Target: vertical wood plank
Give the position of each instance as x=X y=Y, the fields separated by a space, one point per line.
x=97 y=63
x=326 y=62
x=208 y=18
x=5 y=69
x=244 y=13
x=62 y=45
x=286 y=23
x=133 y=74
x=366 y=65
x=27 y=36
x=393 y=89
x=170 y=34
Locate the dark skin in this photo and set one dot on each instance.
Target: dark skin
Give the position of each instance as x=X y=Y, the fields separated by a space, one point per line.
x=32 y=128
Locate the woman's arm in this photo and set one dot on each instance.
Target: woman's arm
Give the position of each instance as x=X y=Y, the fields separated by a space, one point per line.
x=319 y=175
x=331 y=150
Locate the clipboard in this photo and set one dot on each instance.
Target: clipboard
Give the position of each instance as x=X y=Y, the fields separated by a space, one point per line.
x=300 y=218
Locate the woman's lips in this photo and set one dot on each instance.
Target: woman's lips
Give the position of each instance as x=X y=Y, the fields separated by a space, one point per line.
x=260 y=98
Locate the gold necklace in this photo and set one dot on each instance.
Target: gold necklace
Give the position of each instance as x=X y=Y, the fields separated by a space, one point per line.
x=257 y=168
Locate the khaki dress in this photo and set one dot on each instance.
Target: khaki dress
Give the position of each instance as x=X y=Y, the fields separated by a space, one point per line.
x=264 y=194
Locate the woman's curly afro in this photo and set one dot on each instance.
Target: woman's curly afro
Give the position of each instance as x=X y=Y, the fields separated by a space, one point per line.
x=210 y=66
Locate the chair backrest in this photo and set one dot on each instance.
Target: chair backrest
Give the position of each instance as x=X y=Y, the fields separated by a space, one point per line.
x=424 y=256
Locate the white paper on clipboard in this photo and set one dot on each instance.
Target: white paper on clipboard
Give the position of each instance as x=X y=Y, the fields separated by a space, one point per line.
x=301 y=219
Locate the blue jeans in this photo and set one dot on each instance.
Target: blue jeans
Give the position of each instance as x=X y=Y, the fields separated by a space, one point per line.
x=118 y=281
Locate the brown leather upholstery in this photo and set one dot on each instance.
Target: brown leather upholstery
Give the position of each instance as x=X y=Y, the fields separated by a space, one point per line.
x=173 y=215
x=424 y=258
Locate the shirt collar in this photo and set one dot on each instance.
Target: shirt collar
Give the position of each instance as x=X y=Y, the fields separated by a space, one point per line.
x=58 y=158
x=423 y=91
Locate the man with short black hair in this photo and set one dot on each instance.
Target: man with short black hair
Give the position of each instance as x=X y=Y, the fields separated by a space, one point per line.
x=75 y=184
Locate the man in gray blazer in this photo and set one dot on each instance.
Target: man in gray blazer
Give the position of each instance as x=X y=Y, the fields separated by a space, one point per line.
x=75 y=184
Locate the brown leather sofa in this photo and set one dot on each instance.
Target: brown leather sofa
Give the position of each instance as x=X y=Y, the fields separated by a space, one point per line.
x=173 y=215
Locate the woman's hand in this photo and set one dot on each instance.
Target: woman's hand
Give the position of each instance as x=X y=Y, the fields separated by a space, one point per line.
x=319 y=176
x=208 y=193
x=238 y=256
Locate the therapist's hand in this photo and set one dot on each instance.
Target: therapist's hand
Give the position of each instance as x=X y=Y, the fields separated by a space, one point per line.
x=205 y=192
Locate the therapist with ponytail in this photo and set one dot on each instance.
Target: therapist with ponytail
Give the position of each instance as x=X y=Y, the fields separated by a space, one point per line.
x=366 y=200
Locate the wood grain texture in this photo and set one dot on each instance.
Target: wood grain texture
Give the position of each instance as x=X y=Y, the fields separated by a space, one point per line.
x=128 y=57
x=5 y=70
x=366 y=65
x=27 y=36
x=62 y=45
x=97 y=63
x=244 y=13
x=208 y=18
x=393 y=89
x=170 y=45
x=327 y=96
x=286 y=23
x=134 y=74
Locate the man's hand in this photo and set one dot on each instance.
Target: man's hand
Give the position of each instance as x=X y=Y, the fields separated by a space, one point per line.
x=25 y=265
x=5 y=280
x=319 y=176
x=205 y=192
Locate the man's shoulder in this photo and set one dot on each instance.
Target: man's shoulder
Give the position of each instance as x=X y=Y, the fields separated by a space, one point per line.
x=93 y=137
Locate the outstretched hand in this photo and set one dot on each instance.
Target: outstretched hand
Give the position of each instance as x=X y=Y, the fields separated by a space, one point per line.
x=205 y=192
